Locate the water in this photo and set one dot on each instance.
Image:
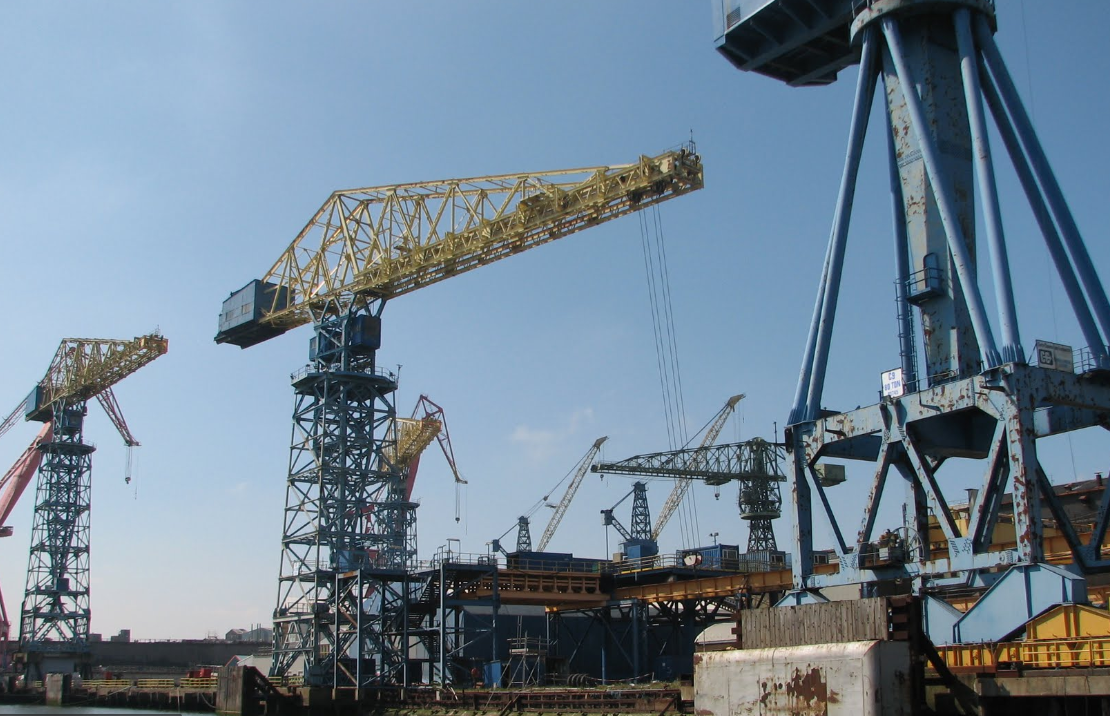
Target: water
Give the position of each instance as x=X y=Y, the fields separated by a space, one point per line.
x=27 y=709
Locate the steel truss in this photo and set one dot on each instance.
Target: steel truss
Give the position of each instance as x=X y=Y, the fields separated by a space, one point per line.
x=444 y=622
x=349 y=534
x=55 y=614
x=637 y=637
x=755 y=464
x=977 y=399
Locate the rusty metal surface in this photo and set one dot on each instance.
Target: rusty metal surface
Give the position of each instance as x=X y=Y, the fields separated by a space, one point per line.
x=988 y=417
x=856 y=678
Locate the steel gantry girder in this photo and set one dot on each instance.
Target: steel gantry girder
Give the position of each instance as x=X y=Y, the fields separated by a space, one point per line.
x=348 y=517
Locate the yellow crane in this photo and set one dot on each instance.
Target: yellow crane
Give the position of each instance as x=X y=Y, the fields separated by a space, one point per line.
x=55 y=613
x=383 y=242
x=682 y=485
x=362 y=248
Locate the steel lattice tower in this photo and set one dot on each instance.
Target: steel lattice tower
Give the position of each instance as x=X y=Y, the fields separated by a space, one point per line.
x=641 y=513
x=349 y=533
x=55 y=615
x=523 y=535
x=760 y=499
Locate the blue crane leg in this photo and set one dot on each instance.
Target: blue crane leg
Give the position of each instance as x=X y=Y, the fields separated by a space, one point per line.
x=1052 y=240
x=1043 y=171
x=865 y=93
x=984 y=170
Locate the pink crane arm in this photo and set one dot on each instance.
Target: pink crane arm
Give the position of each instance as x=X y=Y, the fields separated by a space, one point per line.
x=19 y=476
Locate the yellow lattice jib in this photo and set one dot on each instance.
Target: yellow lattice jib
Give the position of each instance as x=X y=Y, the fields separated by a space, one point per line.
x=413 y=436
x=85 y=367
x=382 y=242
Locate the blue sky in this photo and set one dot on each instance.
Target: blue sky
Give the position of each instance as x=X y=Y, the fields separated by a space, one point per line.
x=160 y=155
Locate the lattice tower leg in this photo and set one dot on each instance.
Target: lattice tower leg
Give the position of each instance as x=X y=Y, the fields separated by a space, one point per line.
x=54 y=621
x=349 y=535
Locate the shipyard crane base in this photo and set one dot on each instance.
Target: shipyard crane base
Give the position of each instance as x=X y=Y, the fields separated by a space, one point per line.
x=963 y=387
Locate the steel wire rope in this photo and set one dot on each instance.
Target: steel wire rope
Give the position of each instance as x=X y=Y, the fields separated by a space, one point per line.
x=666 y=345
x=672 y=334
x=649 y=270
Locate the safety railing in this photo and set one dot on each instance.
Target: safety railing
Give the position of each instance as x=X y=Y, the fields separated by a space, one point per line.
x=1087 y=652
x=199 y=683
x=1087 y=360
x=743 y=563
x=297 y=375
x=106 y=683
x=289 y=680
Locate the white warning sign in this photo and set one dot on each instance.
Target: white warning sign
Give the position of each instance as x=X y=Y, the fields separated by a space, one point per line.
x=1054 y=356
x=893 y=385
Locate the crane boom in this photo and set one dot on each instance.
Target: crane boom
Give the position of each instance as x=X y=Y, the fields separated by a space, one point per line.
x=681 y=486
x=564 y=503
x=13 y=417
x=715 y=464
x=85 y=367
x=383 y=242
x=19 y=475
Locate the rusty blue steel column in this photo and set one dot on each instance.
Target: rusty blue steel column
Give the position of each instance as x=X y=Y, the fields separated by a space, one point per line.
x=798 y=411
x=801 y=501
x=1012 y=351
x=865 y=93
x=957 y=245
x=906 y=337
x=1043 y=171
x=1040 y=212
x=1022 y=447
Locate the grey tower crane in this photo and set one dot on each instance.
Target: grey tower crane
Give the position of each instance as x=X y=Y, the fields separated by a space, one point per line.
x=755 y=464
x=638 y=542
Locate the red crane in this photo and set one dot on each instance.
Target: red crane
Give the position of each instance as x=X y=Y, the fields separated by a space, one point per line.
x=12 y=485
x=414 y=434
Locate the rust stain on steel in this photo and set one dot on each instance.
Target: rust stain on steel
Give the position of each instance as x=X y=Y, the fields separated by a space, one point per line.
x=805 y=694
x=809 y=691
